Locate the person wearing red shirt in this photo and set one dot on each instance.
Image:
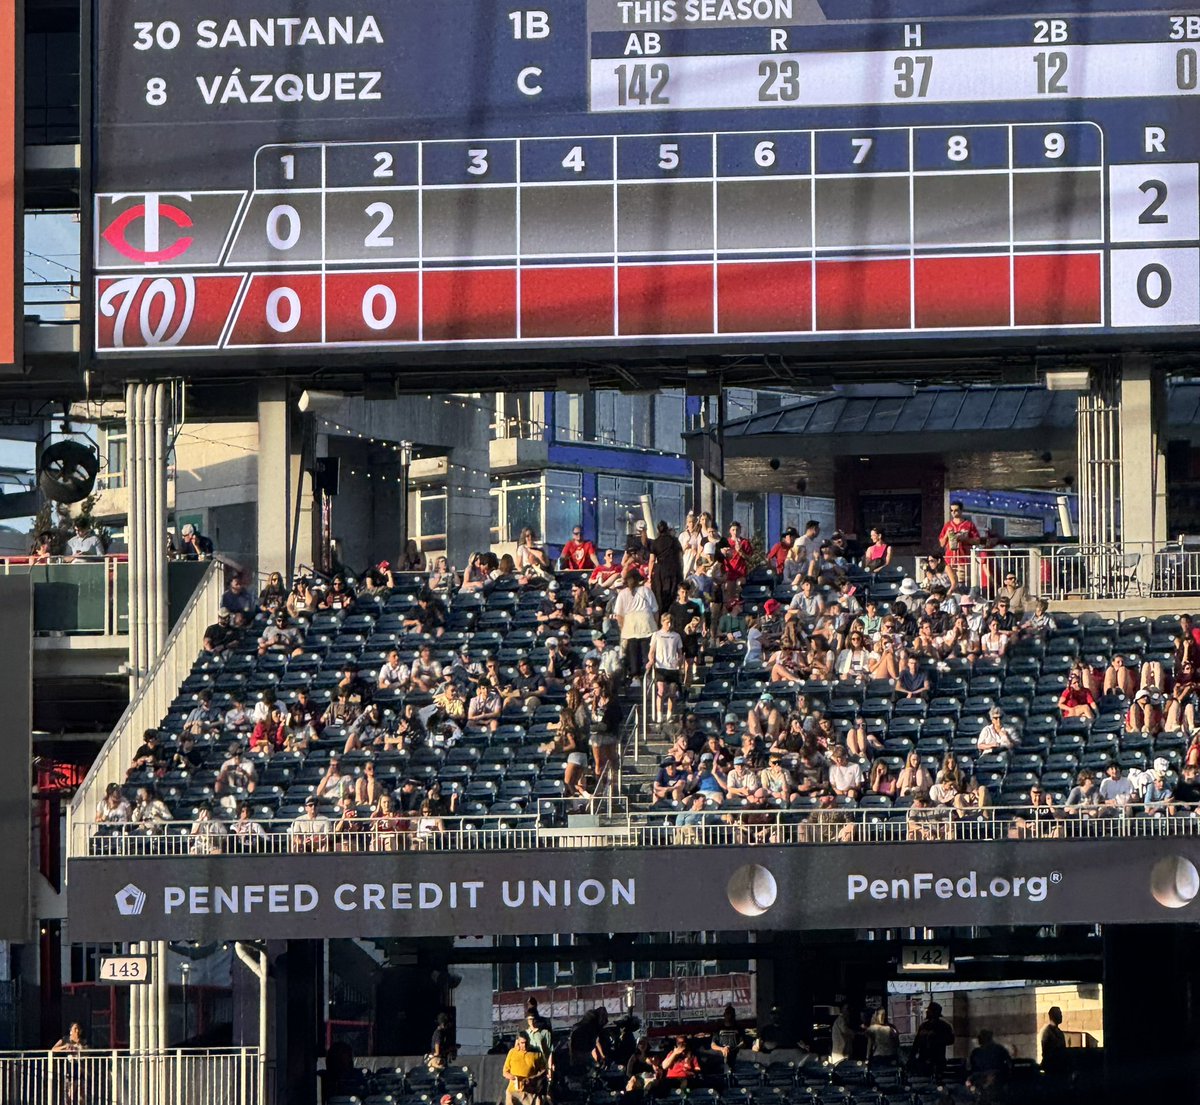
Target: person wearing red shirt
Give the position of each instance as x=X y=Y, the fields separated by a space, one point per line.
x=681 y=1063
x=781 y=548
x=579 y=555
x=1076 y=700
x=957 y=536
x=268 y=735
x=736 y=554
x=607 y=574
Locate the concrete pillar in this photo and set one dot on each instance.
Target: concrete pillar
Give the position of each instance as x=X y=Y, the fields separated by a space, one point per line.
x=1151 y=1035
x=146 y=417
x=1143 y=456
x=276 y=490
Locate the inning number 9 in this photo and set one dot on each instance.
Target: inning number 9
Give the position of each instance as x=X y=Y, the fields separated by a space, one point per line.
x=1056 y=145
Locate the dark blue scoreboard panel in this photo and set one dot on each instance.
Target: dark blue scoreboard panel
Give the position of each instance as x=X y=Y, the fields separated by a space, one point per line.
x=406 y=175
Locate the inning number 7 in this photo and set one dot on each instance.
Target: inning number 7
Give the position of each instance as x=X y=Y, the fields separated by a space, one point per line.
x=862 y=147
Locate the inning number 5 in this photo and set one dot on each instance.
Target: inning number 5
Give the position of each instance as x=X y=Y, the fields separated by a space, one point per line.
x=668 y=155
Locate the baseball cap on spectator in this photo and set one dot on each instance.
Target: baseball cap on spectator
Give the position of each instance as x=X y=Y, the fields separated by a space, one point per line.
x=551 y=641
x=384 y=565
x=966 y=600
x=222 y=613
x=188 y=530
x=731 y=719
x=446 y=1099
x=706 y=756
x=668 y=761
x=738 y=760
x=1161 y=765
x=766 y=696
x=598 y=635
x=908 y=586
x=1143 y=693
x=770 y=606
x=791 y=531
x=311 y=800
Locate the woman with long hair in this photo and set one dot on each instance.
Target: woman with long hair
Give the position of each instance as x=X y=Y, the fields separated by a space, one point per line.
x=914 y=776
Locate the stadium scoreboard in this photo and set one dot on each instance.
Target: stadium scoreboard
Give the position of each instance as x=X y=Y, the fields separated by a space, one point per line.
x=414 y=176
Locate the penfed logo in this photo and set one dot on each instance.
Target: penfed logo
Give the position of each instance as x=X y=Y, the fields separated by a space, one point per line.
x=130 y=899
x=968 y=887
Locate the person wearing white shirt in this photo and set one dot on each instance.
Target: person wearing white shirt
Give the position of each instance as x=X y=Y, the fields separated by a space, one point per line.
x=310 y=832
x=996 y=736
x=665 y=661
x=85 y=545
x=393 y=673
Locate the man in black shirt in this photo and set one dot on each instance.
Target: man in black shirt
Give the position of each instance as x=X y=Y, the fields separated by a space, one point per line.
x=358 y=690
x=1002 y=614
x=187 y=756
x=429 y=615
x=1187 y=790
x=220 y=636
x=150 y=754
x=527 y=686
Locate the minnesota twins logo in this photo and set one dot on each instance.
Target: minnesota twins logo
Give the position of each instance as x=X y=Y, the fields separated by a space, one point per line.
x=153 y=213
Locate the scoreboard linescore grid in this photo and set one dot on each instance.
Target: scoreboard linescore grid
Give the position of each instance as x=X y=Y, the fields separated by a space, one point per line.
x=458 y=176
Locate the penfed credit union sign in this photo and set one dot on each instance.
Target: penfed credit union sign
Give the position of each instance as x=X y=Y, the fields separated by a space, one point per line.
x=626 y=890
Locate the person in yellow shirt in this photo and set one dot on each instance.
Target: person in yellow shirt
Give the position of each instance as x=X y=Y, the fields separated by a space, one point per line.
x=525 y=1070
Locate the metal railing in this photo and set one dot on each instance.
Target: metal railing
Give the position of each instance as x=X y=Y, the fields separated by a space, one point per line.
x=1128 y=570
x=156 y=694
x=714 y=827
x=174 y=1077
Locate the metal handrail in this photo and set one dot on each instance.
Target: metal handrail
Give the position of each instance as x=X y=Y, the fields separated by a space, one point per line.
x=715 y=827
x=152 y=702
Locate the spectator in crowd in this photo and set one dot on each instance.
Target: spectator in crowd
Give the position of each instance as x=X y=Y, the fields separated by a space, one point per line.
x=578 y=554
x=193 y=545
x=636 y=613
x=281 y=637
x=393 y=672
x=1054 y=1045
x=1157 y=801
x=883 y=1040
x=248 y=835
x=411 y=559
x=665 y=666
x=778 y=553
x=268 y=735
x=525 y=1070
x=989 y=1067
x=914 y=680
x=44 y=548
x=1084 y=797
x=914 y=776
x=680 y=1065
x=237 y=775
x=933 y=1036
x=207 y=836
x=236 y=599
x=426 y=672
x=608 y=572
x=1041 y=818
x=273 y=596
x=996 y=736
x=845 y=774
x=203 y=716
x=531 y=559
x=150 y=755
x=957 y=538
x=311 y=831
x=429 y=616
x=339 y=596
x=665 y=567
x=150 y=813
x=1014 y=593
x=220 y=637
x=483 y=711
x=879 y=553
x=1116 y=791
x=1076 y=700
x=86 y=544
x=1145 y=714
x=1118 y=679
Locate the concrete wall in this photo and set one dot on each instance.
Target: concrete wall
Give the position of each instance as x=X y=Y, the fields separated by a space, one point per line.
x=1017 y=1015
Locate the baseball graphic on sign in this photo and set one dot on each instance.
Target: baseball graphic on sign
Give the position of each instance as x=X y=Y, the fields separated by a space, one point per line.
x=752 y=890
x=1174 y=882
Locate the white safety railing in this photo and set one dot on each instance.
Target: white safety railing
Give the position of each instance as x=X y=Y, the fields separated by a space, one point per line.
x=174 y=1077
x=1125 y=571
x=715 y=825
x=157 y=692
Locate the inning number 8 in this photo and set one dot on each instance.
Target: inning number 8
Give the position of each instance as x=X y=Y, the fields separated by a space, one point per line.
x=957 y=148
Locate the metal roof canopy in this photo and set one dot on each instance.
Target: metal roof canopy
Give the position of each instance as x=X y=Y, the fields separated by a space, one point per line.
x=992 y=438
